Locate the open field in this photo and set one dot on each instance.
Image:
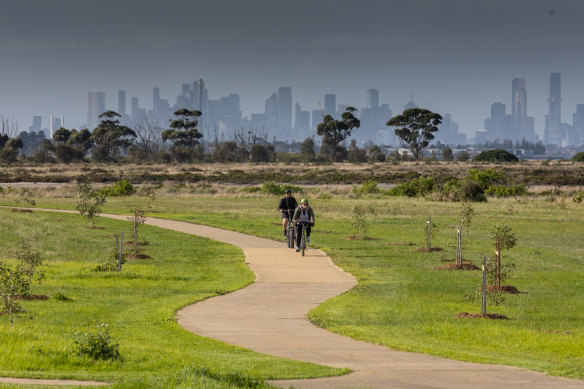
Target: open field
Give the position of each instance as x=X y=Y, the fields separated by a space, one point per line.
x=139 y=306
x=402 y=300
x=528 y=172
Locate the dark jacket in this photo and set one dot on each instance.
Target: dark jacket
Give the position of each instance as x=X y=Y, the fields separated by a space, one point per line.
x=287 y=203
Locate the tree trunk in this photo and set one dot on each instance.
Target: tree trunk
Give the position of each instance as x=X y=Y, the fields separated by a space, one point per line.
x=498 y=265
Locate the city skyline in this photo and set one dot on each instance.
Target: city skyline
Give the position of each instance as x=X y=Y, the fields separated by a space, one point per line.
x=456 y=56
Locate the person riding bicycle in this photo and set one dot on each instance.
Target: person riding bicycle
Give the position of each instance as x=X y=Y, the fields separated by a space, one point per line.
x=287 y=203
x=303 y=218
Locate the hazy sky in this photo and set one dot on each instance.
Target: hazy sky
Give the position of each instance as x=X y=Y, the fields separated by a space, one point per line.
x=458 y=56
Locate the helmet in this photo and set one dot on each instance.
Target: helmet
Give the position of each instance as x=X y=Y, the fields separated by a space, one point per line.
x=288 y=191
x=304 y=201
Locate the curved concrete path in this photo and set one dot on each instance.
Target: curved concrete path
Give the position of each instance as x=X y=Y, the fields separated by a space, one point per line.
x=269 y=316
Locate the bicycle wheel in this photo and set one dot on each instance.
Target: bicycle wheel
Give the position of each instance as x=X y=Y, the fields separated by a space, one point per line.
x=303 y=242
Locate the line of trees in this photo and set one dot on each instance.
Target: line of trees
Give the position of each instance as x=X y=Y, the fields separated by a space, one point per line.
x=112 y=141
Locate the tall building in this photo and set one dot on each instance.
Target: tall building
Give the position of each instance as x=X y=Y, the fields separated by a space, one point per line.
x=577 y=117
x=411 y=104
x=521 y=126
x=496 y=125
x=95 y=107
x=135 y=108
x=36 y=124
x=122 y=102
x=518 y=106
x=330 y=104
x=201 y=102
x=272 y=114
x=372 y=98
x=553 y=121
x=285 y=109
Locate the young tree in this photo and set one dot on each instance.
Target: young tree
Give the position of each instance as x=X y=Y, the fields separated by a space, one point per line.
x=335 y=131
x=10 y=286
x=416 y=128
x=183 y=133
x=110 y=137
x=90 y=201
x=504 y=239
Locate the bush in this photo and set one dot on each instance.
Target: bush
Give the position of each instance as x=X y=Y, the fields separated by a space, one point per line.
x=271 y=187
x=472 y=191
x=417 y=187
x=507 y=191
x=250 y=189
x=96 y=344
x=367 y=187
x=486 y=178
x=120 y=188
x=579 y=157
x=496 y=155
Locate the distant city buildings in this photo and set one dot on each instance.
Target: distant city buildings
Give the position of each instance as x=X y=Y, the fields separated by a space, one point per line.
x=95 y=107
x=284 y=121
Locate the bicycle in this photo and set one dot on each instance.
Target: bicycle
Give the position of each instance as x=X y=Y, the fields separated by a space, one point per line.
x=290 y=233
x=303 y=237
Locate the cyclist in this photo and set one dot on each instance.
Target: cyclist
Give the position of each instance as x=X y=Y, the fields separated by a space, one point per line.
x=303 y=218
x=288 y=202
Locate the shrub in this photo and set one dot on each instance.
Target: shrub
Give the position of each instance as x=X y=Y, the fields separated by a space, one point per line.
x=61 y=297
x=417 y=187
x=250 y=189
x=367 y=187
x=271 y=187
x=472 y=191
x=579 y=157
x=96 y=344
x=120 y=188
x=578 y=198
x=507 y=191
x=487 y=177
x=496 y=155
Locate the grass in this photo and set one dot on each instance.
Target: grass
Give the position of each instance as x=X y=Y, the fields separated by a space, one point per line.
x=403 y=301
x=138 y=304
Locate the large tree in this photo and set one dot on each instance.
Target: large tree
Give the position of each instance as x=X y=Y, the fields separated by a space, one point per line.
x=416 y=128
x=183 y=132
x=335 y=131
x=110 y=137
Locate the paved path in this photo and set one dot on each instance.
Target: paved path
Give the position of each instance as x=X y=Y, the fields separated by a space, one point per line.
x=269 y=316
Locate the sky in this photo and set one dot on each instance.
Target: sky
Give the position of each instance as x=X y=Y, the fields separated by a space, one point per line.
x=455 y=56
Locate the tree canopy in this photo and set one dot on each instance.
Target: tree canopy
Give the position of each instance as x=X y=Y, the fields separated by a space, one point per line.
x=110 y=137
x=416 y=128
x=496 y=155
x=183 y=132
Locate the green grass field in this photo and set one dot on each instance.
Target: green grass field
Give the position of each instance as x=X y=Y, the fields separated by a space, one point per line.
x=403 y=301
x=138 y=304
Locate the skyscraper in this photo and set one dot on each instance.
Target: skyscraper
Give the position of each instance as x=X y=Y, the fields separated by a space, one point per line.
x=95 y=107
x=552 y=133
x=36 y=124
x=330 y=104
x=285 y=109
x=518 y=106
x=372 y=98
x=272 y=114
x=135 y=108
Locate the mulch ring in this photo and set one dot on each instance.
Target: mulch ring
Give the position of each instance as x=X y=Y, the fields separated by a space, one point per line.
x=466 y=265
x=139 y=256
x=21 y=210
x=32 y=297
x=492 y=316
x=504 y=289
x=429 y=250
